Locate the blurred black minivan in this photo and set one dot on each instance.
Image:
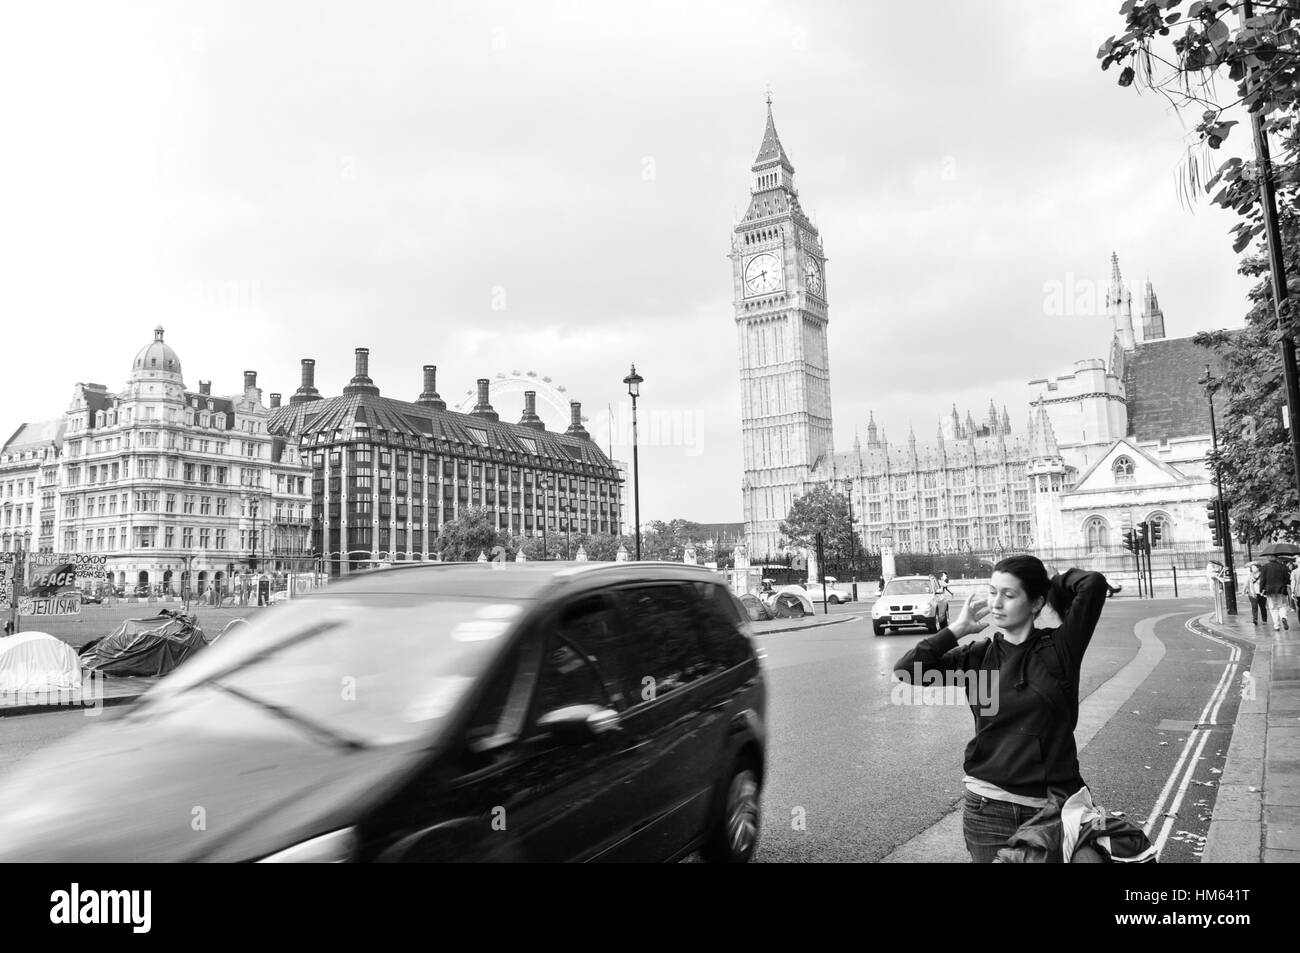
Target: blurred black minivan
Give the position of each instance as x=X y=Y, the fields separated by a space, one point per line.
x=533 y=712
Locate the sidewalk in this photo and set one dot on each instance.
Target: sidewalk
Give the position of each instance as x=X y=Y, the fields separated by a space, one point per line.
x=808 y=622
x=1257 y=812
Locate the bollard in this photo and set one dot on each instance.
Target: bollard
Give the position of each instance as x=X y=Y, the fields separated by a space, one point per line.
x=1175 y=569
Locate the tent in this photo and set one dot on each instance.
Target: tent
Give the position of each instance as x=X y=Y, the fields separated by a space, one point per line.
x=145 y=646
x=38 y=662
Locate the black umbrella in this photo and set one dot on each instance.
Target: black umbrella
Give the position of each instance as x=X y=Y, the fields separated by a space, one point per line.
x=1279 y=549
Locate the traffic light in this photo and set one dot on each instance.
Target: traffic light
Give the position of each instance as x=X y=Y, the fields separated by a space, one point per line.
x=1144 y=537
x=1212 y=514
x=1155 y=529
x=1130 y=543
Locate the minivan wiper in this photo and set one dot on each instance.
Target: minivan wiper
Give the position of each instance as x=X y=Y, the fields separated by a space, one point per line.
x=312 y=725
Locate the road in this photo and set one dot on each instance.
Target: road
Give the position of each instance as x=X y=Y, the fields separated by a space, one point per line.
x=856 y=776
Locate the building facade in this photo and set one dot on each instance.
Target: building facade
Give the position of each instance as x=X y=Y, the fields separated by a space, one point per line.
x=1123 y=441
x=387 y=474
x=780 y=301
x=28 y=486
x=965 y=489
x=164 y=480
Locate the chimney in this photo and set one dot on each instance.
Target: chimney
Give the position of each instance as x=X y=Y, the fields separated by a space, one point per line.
x=429 y=397
x=530 y=418
x=307 y=389
x=275 y=401
x=250 y=380
x=575 y=424
x=205 y=387
x=361 y=382
x=483 y=408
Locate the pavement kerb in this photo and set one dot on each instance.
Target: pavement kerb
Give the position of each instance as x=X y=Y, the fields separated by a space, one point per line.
x=1258 y=803
x=809 y=625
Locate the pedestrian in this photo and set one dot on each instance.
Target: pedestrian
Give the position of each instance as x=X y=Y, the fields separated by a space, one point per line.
x=1023 y=689
x=1255 y=596
x=1274 y=582
x=943 y=583
x=880 y=590
x=1295 y=587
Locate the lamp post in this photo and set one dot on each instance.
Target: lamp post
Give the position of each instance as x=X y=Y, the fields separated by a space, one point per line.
x=568 y=527
x=633 y=382
x=545 y=486
x=1211 y=384
x=188 y=580
x=853 y=533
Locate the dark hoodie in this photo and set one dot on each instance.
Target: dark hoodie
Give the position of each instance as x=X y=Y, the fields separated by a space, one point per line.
x=1024 y=741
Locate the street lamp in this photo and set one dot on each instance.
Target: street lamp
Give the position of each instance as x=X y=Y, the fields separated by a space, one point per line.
x=1211 y=384
x=853 y=533
x=545 y=486
x=633 y=382
x=567 y=510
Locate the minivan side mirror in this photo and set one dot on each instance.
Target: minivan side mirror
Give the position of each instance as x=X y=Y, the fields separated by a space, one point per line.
x=579 y=724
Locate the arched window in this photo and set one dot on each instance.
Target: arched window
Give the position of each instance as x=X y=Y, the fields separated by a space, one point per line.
x=1123 y=470
x=1096 y=534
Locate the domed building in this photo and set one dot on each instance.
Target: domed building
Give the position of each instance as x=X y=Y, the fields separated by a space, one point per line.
x=170 y=485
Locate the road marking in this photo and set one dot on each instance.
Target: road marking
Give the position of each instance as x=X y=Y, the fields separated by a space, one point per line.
x=1185 y=767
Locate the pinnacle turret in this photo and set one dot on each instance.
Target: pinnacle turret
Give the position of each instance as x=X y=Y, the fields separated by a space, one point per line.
x=1153 y=319
x=1043 y=440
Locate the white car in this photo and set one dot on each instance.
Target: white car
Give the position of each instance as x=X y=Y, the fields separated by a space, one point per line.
x=910 y=600
x=835 y=592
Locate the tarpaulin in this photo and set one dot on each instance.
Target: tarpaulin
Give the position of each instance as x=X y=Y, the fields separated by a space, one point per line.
x=145 y=646
x=38 y=662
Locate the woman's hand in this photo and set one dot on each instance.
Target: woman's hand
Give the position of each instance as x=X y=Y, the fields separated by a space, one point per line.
x=971 y=618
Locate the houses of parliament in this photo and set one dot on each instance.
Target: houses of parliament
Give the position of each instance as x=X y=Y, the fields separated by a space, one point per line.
x=1105 y=443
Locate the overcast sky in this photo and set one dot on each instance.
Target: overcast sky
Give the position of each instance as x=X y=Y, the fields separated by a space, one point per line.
x=551 y=187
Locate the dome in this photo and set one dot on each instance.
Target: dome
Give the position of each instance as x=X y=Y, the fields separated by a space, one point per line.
x=156 y=359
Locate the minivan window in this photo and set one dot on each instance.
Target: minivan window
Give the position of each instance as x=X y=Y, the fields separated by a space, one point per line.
x=664 y=619
x=568 y=678
x=722 y=631
x=592 y=626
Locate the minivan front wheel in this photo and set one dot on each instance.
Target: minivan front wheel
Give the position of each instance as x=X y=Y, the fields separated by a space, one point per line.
x=734 y=837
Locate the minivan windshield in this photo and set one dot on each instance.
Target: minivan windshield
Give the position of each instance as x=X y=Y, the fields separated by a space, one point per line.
x=360 y=670
x=907 y=587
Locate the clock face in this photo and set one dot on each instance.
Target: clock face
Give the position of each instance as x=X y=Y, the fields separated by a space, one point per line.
x=812 y=277
x=762 y=274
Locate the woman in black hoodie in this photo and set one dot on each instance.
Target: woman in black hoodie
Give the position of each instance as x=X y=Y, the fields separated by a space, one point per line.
x=1023 y=686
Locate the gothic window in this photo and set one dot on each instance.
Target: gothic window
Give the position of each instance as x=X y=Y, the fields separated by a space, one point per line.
x=1096 y=534
x=1161 y=529
x=1123 y=470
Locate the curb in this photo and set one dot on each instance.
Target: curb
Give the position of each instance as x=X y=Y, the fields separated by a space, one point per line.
x=1236 y=834
x=811 y=625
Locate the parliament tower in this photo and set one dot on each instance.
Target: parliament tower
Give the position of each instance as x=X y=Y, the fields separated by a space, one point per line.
x=779 y=277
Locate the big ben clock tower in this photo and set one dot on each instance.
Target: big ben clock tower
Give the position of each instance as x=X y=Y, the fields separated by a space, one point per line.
x=778 y=272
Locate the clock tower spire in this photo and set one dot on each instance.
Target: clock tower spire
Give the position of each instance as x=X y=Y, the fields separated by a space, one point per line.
x=778 y=277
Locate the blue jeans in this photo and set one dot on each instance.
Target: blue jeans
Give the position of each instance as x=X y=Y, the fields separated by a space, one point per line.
x=987 y=824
